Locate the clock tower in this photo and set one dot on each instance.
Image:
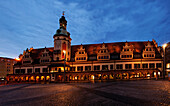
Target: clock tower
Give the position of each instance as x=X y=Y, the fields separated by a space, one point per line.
x=62 y=42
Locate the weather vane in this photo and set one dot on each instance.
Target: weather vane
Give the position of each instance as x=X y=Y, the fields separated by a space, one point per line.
x=63 y=12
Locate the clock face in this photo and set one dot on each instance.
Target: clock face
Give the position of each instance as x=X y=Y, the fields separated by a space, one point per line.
x=58 y=45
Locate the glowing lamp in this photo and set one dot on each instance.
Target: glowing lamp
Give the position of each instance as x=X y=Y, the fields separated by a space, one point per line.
x=64 y=51
x=17 y=59
x=164 y=45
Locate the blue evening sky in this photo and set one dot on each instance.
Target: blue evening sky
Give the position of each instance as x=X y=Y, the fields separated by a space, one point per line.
x=27 y=23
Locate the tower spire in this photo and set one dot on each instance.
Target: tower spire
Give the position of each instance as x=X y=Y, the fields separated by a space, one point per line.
x=63 y=22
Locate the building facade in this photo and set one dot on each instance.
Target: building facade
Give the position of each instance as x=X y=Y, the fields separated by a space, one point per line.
x=167 y=58
x=105 y=61
x=6 y=66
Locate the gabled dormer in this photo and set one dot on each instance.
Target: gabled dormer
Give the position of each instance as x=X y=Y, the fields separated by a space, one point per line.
x=127 y=52
x=81 y=55
x=26 y=59
x=149 y=51
x=45 y=57
x=103 y=53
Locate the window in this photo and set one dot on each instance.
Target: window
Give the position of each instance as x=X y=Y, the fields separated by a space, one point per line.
x=126 y=56
x=119 y=66
x=29 y=70
x=45 y=70
x=26 y=61
x=81 y=58
x=96 y=68
x=46 y=60
x=158 y=65
x=72 y=68
x=27 y=56
x=136 y=66
x=59 y=70
x=17 y=71
x=80 y=68
x=88 y=68
x=22 y=71
x=37 y=70
x=128 y=66
x=144 y=65
x=151 y=65
x=111 y=67
x=104 y=67
x=45 y=55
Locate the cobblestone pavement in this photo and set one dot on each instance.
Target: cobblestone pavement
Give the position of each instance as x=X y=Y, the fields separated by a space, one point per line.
x=143 y=92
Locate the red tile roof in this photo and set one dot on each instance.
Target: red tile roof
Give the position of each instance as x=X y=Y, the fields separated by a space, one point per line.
x=115 y=47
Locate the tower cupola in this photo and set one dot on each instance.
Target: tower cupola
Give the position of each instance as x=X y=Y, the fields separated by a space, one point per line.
x=62 y=41
x=63 y=22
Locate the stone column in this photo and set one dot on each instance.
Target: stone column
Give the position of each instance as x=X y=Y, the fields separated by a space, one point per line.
x=121 y=76
x=127 y=75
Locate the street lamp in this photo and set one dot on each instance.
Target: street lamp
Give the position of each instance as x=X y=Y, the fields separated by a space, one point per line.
x=164 y=64
x=64 y=62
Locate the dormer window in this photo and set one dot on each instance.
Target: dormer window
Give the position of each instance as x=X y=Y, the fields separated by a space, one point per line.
x=149 y=51
x=26 y=57
x=127 y=52
x=103 y=53
x=45 y=57
x=81 y=55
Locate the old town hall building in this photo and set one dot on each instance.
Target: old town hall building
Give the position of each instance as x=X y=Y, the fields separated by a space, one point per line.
x=105 y=61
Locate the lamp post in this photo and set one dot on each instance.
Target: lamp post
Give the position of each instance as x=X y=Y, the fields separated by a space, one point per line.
x=164 y=64
x=64 y=62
